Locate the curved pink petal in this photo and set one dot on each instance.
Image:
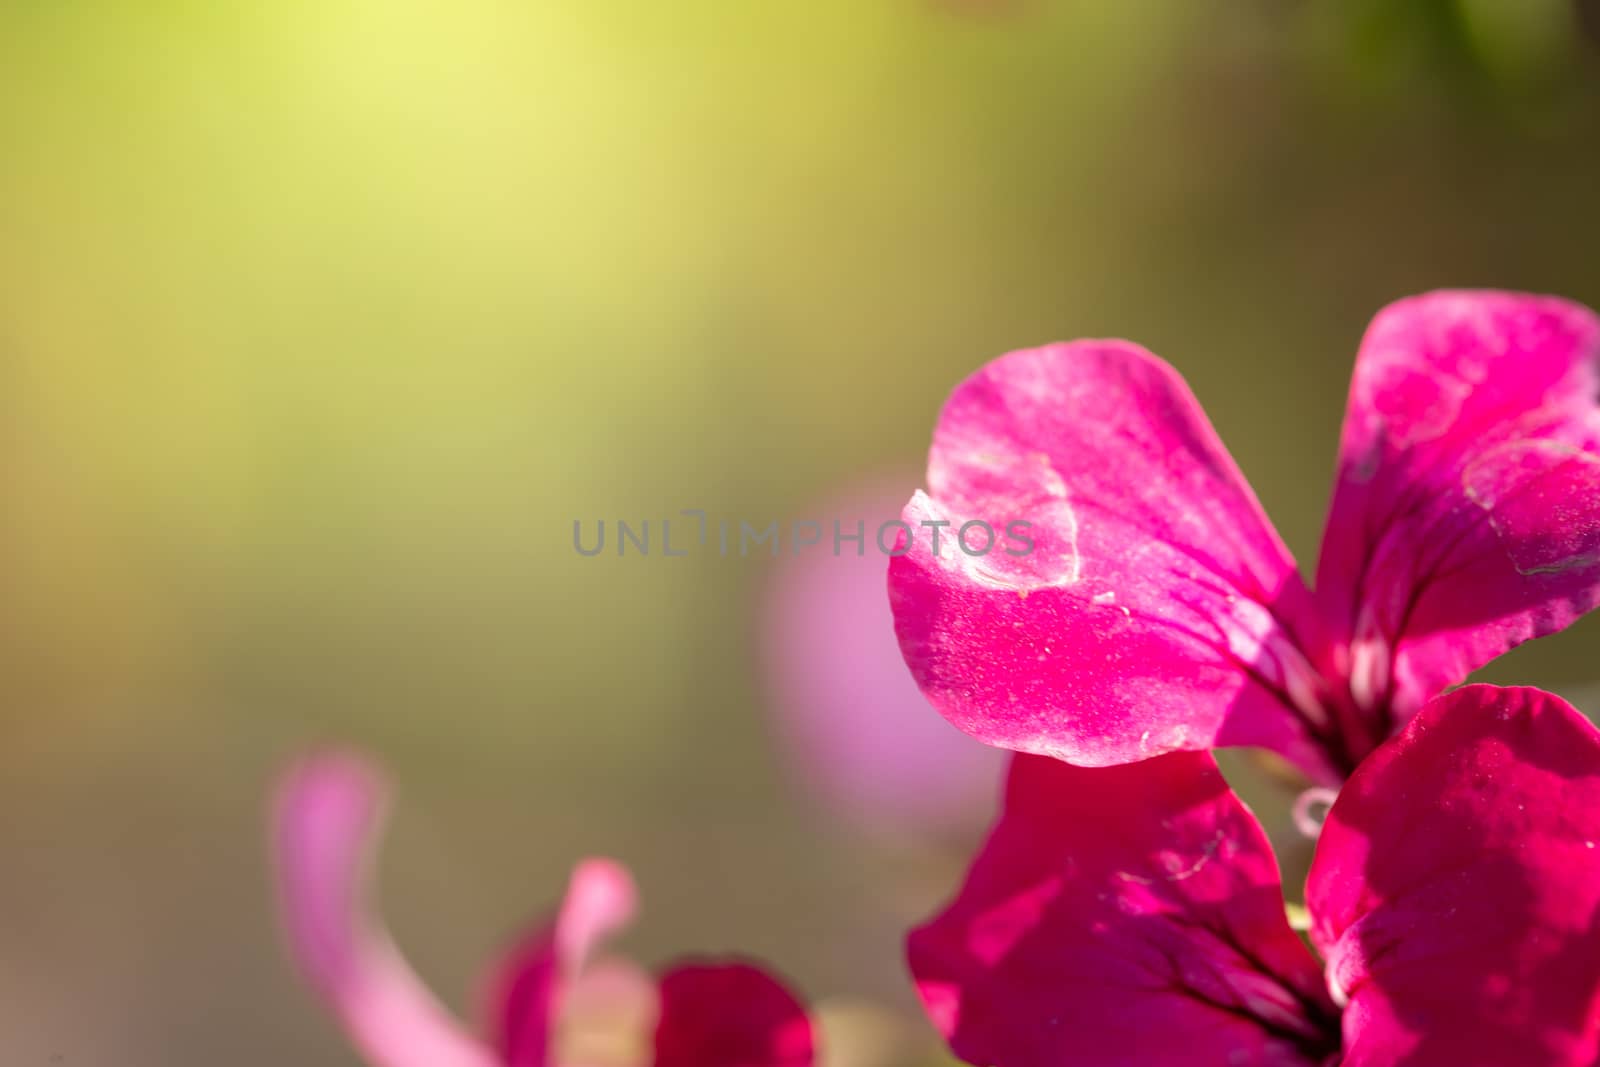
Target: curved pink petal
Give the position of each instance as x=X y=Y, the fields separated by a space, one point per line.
x=853 y=724
x=730 y=1015
x=1466 y=517
x=1456 y=887
x=1122 y=915
x=326 y=820
x=527 y=992
x=1157 y=610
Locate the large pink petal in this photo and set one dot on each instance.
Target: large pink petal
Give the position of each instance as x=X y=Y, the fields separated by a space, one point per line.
x=326 y=820
x=1122 y=915
x=527 y=992
x=1466 y=518
x=730 y=1015
x=1157 y=611
x=1456 y=887
x=852 y=721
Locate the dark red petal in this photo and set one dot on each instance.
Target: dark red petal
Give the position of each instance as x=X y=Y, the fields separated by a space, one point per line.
x=1124 y=915
x=1456 y=888
x=730 y=1015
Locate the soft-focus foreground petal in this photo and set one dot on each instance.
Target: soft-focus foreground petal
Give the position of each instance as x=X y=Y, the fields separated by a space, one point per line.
x=853 y=724
x=1157 y=611
x=1466 y=516
x=327 y=818
x=528 y=991
x=1456 y=888
x=1123 y=915
x=730 y=1015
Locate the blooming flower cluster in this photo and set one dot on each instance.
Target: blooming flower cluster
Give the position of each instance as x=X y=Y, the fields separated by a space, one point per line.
x=1126 y=908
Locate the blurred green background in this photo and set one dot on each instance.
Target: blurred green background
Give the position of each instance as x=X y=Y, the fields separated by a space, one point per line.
x=320 y=322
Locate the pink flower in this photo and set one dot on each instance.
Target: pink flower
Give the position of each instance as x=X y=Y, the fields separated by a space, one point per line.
x=851 y=721
x=1135 y=914
x=1159 y=611
x=327 y=818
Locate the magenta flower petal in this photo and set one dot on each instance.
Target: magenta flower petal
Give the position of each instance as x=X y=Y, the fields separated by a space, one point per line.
x=600 y=900
x=1158 y=609
x=326 y=821
x=1466 y=517
x=1123 y=915
x=1456 y=888
x=730 y=1015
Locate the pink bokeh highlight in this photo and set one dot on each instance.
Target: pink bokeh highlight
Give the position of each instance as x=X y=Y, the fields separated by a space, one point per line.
x=850 y=721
